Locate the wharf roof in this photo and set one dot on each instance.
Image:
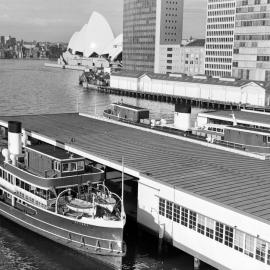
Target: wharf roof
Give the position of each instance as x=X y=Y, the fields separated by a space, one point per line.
x=53 y=151
x=200 y=79
x=234 y=181
x=252 y=118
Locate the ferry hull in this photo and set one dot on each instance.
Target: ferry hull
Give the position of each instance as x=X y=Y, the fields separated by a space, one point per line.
x=96 y=242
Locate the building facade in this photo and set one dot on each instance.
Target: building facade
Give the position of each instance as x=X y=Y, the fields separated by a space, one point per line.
x=192 y=57
x=220 y=37
x=152 y=33
x=251 y=59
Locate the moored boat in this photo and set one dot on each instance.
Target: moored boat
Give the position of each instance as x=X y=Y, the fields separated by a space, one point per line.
x=61 y=196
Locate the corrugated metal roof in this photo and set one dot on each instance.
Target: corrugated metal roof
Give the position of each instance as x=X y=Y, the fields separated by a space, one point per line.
x=251 y=117
x=229 y=179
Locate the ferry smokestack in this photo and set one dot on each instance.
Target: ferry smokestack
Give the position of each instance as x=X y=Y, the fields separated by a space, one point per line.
x=14 y=138
x=182 y=116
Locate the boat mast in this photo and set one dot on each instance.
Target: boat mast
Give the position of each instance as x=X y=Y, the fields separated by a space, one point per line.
x=122 y=195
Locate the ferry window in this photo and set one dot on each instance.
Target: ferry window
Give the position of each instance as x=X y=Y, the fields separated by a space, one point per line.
x=73 y=166
x=0 y=172
x=228 y=236
x=184 y=216
x=238 y=240
x=219 y=232
x=176 y=213
x=201 y=222
x=260 y=250
x=17 y=182
x=214 y=129
x=192 y=220
x=249 y=245
x=9 y=178
x=8 y=196
x=26 y=187
x=80 y=165
x=268 y=139
x=65 y=167
x=264 y=139
x=169 y=210
x=268 y=254
x=56 y=165
x=162 y=207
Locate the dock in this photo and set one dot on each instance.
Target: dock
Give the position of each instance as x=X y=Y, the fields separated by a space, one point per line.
x=211 y=203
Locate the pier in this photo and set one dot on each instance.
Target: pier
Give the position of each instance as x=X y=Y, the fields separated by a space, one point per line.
x=211 y=203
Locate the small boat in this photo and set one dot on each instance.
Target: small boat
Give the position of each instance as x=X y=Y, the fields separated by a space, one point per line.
x=61 y=196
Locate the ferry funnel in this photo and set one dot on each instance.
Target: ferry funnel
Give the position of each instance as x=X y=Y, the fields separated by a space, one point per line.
x=182 y=117
x=14 y=137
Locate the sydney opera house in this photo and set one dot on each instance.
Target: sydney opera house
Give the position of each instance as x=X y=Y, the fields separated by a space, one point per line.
x=94 y=44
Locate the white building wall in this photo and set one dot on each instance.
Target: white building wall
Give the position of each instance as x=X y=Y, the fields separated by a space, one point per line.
x=169 y=59
x=213 y=252
x=248 y=94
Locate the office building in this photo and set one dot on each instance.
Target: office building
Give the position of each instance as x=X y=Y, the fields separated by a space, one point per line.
x=192 y=57
x=152 y=33
x=251 y=59
x=220 y=37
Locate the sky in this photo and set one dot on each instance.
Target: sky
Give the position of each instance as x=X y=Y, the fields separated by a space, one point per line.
x=57 y=20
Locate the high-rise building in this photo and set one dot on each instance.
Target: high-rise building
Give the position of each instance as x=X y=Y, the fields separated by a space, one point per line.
x=220 y=37
x=251 y=59
x=152 y=34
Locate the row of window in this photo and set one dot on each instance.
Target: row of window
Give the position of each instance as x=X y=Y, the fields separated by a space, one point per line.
x=221 y=12
x=219 y=39
x=220 y=33
x=252 y=37
x=218 y=53
x=219 y=73
x=218 y=231
x=219 y=46
x=218 y=66
x=220 y=26
x=220 y=19
x=219 y=60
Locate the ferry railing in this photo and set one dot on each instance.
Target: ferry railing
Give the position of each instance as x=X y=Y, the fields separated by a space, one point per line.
x=44 y=182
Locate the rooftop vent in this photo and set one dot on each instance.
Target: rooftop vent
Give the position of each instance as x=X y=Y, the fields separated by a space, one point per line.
x=227 y=79
x=200 y=77
x=176 y=75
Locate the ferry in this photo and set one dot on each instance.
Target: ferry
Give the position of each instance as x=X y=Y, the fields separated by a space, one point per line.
x=62 y=196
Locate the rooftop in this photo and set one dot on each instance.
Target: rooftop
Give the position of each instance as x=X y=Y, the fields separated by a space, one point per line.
x=129 y=106
x=234 y=181
x=53 y=151
x=196 y=43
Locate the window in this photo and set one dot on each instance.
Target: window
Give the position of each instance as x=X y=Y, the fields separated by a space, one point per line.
x=161 y=207
x=176 y=213
x=260 y=250
x=169 y=55
x=192 y=220
x=249 y=245
x=228 y=236
x=219 y=232
x=210 y=225
x=268 y=251
x=56 y=165
x=169 y=209
x=73 y=166
x=238 y=240
x=184 y=216
x=80 y=165
x=201 y=222
x=65 y=167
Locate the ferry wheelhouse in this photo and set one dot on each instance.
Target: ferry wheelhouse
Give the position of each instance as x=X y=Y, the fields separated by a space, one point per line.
x=61 y=196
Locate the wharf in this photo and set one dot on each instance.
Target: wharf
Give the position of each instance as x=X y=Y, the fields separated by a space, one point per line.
x=202 y=198
x=55 y=65
x=223 y=177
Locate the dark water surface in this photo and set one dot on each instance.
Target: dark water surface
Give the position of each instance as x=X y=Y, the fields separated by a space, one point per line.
x=27 y=87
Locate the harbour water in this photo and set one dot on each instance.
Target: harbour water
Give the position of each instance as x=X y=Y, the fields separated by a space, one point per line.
x=27 y=87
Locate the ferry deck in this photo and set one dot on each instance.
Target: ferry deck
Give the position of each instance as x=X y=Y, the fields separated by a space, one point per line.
x=209 y=202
